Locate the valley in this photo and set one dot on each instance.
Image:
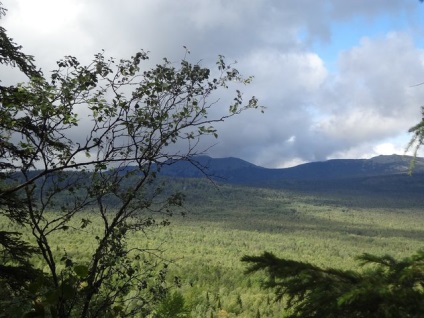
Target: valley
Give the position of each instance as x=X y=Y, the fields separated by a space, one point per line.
x=223 y=222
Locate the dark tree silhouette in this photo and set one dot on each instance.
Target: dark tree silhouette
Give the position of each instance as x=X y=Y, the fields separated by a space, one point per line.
x=385 y=288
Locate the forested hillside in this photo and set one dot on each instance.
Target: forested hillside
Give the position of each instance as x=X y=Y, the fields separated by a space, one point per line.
x=234 y=170
x=384 y=177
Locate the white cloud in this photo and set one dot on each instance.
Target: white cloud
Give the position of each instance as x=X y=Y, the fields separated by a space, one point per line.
x=387 y=148
x=282 y=75
x=370 y=98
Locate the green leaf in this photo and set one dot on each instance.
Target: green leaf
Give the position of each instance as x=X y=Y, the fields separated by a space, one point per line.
x=68 y=262
x=81 y=271
x=117 y=309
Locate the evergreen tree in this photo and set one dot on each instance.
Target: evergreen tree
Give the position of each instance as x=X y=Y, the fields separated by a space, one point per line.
x=173 y=306
x=16 y=272
x=385 y=288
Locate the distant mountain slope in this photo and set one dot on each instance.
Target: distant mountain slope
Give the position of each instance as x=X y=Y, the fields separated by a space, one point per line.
x=233 y=170
x=345 y=168
x=226 y=169
x=382 y=176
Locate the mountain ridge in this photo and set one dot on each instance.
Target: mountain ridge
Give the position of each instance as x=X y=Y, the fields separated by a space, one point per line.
x=382 y=175
x=233 y=169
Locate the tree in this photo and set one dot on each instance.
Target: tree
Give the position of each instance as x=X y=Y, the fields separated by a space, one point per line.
x=417 y=131
x=417 y=139
x=98 y=135
x=15 y=269
x=387 y=288
x=173 y=306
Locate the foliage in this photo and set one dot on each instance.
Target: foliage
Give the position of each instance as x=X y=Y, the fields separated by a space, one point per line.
x=417 y=139
x=390 y=288
x=113 y=122
x=417 y=130
x=173 y=306
x=15 y=270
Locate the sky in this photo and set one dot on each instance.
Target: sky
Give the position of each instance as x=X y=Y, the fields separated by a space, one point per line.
x=338 y=78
